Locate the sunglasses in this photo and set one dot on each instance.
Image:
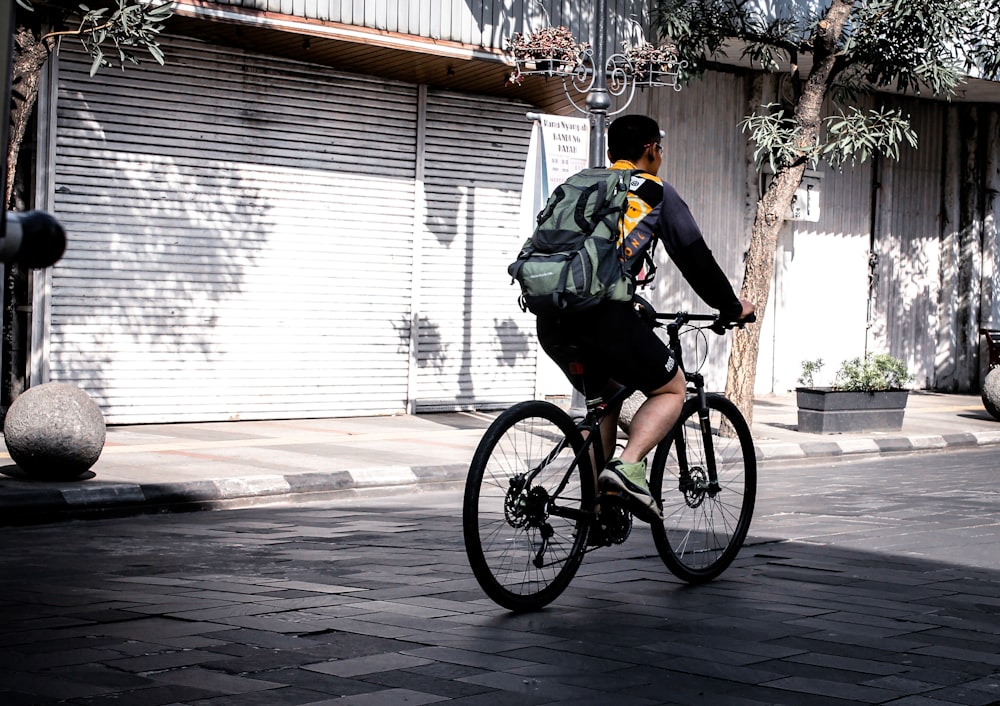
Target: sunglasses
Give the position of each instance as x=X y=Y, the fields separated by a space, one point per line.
x=657 y=145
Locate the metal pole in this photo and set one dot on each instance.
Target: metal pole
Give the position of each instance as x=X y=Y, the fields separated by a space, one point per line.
x=6 y=49
x=598 y=100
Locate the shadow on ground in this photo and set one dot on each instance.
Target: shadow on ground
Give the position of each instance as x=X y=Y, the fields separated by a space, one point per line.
x=373 y=601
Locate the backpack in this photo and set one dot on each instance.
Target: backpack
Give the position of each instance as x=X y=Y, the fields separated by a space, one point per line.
x=572 y=261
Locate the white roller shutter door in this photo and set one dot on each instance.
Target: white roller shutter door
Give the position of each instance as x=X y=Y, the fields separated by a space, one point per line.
x=476 y=348
x=240 y=238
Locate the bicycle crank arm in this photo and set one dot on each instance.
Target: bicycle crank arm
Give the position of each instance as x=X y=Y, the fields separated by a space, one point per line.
x=572 y=513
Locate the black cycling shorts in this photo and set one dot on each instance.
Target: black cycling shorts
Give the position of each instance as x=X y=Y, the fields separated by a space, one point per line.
x=614 y=345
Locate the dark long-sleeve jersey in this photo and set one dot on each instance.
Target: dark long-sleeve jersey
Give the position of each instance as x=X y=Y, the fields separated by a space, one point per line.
x=657 y=212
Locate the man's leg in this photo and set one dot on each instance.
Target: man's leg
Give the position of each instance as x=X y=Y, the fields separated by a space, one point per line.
x=654 y=419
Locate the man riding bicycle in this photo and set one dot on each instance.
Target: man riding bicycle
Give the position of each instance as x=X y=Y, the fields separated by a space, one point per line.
x=614 y=344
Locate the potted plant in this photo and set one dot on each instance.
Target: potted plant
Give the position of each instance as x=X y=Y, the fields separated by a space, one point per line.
x=545 y=50
x=867 y=395
x=649 y=62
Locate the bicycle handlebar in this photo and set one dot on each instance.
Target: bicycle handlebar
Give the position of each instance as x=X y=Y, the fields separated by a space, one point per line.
x=719 y=326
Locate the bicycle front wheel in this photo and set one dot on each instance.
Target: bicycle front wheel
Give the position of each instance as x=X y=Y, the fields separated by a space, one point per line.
x=707 y=480
x=528 y=506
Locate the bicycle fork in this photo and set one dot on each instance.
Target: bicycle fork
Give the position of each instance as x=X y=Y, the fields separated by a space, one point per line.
x=696 y=482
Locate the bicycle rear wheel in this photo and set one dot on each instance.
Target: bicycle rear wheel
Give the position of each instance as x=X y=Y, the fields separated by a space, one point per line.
x=705 y=521
x=527 y=508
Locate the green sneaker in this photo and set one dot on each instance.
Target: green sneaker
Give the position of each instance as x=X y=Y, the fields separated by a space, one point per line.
x=629 y=479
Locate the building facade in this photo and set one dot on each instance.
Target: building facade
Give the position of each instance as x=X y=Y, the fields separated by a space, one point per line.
x=309 y=210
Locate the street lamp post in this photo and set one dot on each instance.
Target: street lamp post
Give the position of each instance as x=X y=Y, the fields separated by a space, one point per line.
x=592 y=74
x=598 y=100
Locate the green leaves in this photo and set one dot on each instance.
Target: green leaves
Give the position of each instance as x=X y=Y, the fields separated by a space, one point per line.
x=871 y=373
x=112 y=37
x=702 y=29
x=777 y=137
x=857 y=135
x=907 y=45
x=852 y=135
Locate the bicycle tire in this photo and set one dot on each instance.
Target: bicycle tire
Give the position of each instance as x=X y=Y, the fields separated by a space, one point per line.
x=504 y=527
x=703 y=531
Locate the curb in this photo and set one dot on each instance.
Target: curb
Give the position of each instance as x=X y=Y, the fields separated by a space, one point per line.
x=867 y=446
x=37 y=502
x=42 y=501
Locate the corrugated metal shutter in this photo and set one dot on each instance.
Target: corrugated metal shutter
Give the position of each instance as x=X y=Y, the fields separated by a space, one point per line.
x=240 y=238
x=476 y=348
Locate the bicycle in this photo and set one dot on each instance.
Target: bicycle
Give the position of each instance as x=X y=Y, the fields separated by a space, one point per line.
x=532 y=508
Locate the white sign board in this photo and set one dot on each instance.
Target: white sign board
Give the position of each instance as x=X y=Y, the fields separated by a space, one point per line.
x=565 y=147
x=559 y=148
x=805 y=203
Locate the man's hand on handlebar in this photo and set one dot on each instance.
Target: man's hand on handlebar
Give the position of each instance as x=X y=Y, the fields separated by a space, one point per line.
x=747 y=316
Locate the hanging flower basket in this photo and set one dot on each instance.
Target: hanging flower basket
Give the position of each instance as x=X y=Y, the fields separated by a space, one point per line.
x=548 y=51
x=652 y=65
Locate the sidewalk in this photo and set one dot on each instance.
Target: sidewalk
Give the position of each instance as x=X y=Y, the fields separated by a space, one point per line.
x=189 y=466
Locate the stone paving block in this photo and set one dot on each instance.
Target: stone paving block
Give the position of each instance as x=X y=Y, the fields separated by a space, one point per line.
x=532 y=687
x=387 y=697
x=262 y=662
x=921 y=701
x=167 y=695
x=270 y=623
x=285 y=696
x=862 y=667
x=153 y=628
x=347 y=645
x=359 y=666
x=366 y=627
x=768 y=696
x=731 y=657
x=409 y=678
x=211 y=680
x=332 y=686
x=467 y=657
x=53 y=686
x=981 y=657
x=162 y=661
x=901 y=685
x=493 y=698
x=556 y=657
x=990 y=685
x=65 y=658
x=835 y=689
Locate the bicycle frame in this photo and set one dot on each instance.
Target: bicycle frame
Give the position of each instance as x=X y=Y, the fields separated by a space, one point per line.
x=598 y=409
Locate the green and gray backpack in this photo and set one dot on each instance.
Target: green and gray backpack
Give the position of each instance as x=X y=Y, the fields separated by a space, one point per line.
x=572 y=261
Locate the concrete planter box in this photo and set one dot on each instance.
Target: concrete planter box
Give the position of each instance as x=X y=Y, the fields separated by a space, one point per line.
x=823 y=410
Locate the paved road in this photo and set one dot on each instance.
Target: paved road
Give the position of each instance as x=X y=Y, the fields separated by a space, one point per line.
x=866 y=581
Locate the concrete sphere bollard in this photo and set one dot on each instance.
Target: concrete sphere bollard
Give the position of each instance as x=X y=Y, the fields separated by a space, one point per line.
x=54 y=432
x=991 y=392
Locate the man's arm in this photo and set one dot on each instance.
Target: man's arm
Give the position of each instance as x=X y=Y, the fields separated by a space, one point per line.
x=686 y=246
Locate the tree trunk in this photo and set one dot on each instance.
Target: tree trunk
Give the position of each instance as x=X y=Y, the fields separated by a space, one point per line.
x=29 y=56
x=776 y=202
